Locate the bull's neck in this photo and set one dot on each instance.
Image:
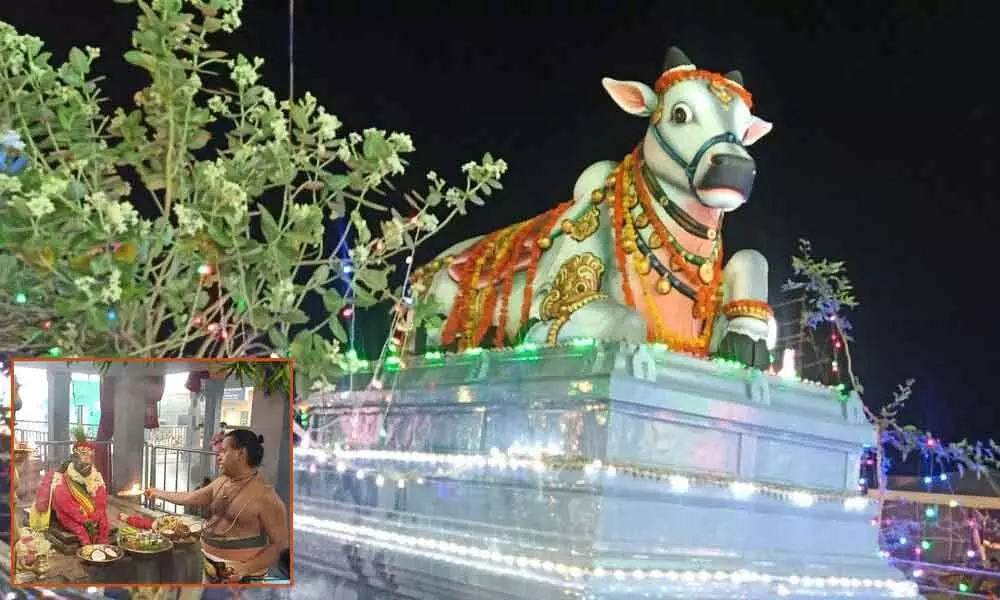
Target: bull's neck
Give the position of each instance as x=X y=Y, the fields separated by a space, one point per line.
x=686 y=208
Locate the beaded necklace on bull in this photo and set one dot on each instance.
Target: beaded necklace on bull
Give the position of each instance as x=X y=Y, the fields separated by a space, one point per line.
x=631 y=192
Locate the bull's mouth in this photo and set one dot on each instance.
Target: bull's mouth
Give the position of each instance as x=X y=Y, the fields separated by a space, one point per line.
x=722 y=198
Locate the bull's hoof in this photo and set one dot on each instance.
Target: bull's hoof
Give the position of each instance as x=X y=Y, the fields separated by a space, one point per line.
x=743 y=349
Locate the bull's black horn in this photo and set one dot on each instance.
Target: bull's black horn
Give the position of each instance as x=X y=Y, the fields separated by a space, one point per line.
x=735 y=76
x=675 y=58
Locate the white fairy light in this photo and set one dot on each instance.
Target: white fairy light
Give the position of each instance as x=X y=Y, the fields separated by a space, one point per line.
x=742 y=489
x=679 y=483
x=564 y=575
x=541 y=458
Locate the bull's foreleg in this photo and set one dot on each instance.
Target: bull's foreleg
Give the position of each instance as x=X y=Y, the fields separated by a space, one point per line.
x=746 y=330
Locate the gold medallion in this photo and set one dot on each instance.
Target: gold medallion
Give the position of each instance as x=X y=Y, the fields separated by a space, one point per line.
x=655 y=241
x=712 y=234
x=706 y=272
x=663 y=286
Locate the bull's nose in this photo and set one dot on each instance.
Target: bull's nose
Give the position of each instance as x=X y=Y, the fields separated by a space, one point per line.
x=732 y=161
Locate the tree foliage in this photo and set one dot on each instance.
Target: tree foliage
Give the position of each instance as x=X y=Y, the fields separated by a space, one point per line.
x=829 y=293
x=196 y=222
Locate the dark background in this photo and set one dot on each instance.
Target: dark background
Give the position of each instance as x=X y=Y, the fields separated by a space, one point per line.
x=883 y=151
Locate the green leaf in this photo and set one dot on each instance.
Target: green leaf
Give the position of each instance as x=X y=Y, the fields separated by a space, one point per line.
x=199 y=140
x=299 y=117
x=294 y=317
x=338 y=183
x=212 y=24
x=363 y=298
x=268 y=226
x=333 y=301
x=375 y=280
x=141 y=59
x=79 y=60
x=337 y=329
x=277 y=338
x=260 y=319
x=375 y=147
x=320 y=277
x=214 y=54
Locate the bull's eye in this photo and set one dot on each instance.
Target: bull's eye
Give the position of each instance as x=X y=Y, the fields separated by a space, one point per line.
x=680 y=113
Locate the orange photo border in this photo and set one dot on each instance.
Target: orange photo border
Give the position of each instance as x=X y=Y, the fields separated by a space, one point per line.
x=291 y=472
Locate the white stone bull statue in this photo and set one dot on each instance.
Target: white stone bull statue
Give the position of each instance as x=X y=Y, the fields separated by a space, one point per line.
x=636 y=255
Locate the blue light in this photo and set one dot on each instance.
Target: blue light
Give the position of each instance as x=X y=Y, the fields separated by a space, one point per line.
x=927 y=480
x=943 y=477
x=902 y=540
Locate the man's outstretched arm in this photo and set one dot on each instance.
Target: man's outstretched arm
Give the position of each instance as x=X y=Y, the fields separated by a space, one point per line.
x=200 y=497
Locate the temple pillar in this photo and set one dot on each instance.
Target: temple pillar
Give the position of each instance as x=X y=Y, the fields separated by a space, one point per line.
x=269 y=418
x=211 y=391
x=214 y=389
x=136 y=383
x=58 y=415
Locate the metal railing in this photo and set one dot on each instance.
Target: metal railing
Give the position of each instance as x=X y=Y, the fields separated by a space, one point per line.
x=173 y=469
x=38 y=431
x=174 y=436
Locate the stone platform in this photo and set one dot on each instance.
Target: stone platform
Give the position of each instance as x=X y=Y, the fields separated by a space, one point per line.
x=592 y=471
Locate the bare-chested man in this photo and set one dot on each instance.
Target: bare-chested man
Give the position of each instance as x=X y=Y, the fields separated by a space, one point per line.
x=248 y=528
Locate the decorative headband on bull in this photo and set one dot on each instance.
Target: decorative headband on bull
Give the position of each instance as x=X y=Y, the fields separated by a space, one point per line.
x=728 y=89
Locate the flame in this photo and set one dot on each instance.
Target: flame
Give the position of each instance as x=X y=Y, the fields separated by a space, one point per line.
x=134 y=490
x=788 y=364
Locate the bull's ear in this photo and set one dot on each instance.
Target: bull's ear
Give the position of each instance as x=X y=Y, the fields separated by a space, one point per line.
x=633 y=97
x=758 y=128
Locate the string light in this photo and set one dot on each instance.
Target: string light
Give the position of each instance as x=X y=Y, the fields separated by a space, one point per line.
x=541 y=459
x=21 y=298
x=572 y=576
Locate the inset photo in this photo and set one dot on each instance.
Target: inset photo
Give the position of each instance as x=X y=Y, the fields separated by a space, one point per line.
x=150 y=472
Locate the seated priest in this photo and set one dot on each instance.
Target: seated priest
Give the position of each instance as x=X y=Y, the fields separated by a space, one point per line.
x=78 y=495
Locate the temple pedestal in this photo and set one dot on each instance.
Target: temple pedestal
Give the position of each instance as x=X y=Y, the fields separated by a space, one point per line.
x=595 y=471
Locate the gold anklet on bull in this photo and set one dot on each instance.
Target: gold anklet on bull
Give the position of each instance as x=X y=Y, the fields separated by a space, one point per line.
x=637 y=254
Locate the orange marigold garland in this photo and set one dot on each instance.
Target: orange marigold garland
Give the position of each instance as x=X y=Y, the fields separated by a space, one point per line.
x=618 y=210
x=549 y=222
x=677 y=75
x=523 y=232
x=756 y=309
x=492 y=263
x=468 y=280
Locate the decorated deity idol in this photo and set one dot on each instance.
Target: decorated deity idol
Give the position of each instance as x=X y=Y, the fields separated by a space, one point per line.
x=78 y=495
x=636 y=254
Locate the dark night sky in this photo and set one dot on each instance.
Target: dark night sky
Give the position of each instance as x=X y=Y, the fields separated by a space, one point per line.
x=881 y=154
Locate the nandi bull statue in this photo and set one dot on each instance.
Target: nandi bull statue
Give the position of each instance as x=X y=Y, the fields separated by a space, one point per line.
x=636 y=255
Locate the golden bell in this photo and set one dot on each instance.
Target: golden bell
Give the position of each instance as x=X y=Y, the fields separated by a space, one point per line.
x=663 y=286
x=643 y=265
x=628 y=246
x=544 y=243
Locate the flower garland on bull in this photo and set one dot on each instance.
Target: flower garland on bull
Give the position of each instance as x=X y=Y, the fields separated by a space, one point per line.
x=76 y=492
x=653 y=261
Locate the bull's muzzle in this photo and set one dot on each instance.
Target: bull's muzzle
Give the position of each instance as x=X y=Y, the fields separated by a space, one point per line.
x=730 y=171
